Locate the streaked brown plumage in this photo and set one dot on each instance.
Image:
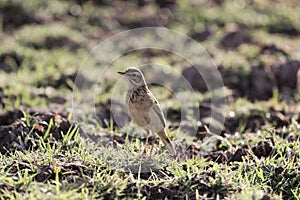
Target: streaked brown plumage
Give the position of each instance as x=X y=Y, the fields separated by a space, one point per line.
x=144 y=109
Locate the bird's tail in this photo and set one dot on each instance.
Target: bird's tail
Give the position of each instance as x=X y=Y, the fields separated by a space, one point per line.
x=166 y=141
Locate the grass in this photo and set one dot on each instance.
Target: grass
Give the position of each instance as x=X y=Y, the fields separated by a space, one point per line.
x=47 y=154
x=76 y=167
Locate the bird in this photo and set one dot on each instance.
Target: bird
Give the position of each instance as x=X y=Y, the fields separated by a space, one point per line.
x=144 y=109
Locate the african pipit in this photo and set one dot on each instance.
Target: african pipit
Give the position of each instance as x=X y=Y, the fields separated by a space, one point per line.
x=144 y=109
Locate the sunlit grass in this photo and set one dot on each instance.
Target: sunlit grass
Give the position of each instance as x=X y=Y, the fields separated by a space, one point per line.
x=93 y=162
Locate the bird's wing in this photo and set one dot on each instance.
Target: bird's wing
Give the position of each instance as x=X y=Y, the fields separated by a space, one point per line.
x=159 y=112
x=156 y=107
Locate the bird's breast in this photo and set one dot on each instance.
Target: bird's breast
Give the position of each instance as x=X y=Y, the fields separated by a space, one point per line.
x=138 y=108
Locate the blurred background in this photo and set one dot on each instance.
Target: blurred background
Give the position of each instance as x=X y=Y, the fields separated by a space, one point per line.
x=254 y=43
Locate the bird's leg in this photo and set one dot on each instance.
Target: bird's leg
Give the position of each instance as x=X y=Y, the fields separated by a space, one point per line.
x=146 y=143
x=152 y=145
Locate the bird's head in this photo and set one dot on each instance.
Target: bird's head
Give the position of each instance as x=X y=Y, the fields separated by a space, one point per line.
x=134 y=76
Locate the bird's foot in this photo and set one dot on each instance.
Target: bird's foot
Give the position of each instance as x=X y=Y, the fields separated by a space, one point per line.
x=145 y=151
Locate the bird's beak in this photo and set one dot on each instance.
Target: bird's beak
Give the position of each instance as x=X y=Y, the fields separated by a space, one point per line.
x=122 y=73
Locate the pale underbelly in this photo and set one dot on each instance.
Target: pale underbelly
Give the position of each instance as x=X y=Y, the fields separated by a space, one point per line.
x=146 y=119
x=139 y=117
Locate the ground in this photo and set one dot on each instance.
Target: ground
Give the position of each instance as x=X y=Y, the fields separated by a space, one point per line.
x=46 y=154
